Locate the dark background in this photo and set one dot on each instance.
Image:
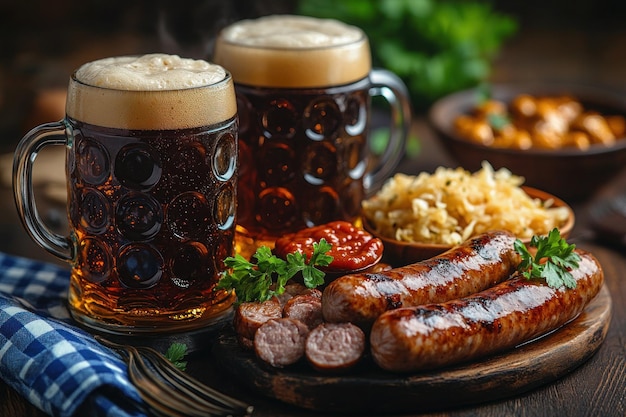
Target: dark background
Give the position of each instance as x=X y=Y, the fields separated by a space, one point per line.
x=41 y=42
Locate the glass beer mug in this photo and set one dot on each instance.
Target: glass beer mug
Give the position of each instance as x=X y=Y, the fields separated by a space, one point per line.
x=151 y=164
x=304 y=89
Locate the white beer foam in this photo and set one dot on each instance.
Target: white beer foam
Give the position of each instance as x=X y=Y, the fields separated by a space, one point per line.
x=151 y=92
x=294 y=32
x=293 y=52
x=150 y=72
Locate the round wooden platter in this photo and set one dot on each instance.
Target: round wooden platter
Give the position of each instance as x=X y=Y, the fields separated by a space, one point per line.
x=367 y=388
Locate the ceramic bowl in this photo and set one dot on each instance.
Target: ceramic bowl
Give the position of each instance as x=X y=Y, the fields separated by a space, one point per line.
x=399 y=253
x=571 y=174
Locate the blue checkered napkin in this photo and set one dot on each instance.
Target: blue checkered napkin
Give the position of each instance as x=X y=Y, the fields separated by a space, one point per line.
x=59 y=368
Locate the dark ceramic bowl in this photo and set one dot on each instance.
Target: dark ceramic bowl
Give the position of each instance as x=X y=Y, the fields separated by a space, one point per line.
x=571 y=174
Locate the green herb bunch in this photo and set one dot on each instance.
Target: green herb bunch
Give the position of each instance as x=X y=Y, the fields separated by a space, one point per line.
x=552 y=260
x=435 y=46
x=261 y=280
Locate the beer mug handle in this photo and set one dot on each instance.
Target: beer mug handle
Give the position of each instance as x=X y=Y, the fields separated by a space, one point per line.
x=388 y=85
x=25 y=155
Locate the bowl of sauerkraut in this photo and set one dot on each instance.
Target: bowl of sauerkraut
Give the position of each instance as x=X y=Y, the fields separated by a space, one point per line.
x=420 y=216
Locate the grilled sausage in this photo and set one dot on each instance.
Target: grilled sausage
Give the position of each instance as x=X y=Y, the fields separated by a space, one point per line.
x=473 y=266
x=499 y=318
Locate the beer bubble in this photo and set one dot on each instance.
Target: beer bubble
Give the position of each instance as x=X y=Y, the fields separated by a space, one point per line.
x=139 y=266
x=322 y=119
x=277 y=208
x=187 y=166
x=94 y=211
x=188 y=215
x=286 y=51
x=279 y=119
x=358 y=171
x=138 y=167
x=320 y=163
x=94 y=259
x=225 y=157
x=188 y=264
x=355 y=116
x=138 y=216
x=225 y=207
x=277 y=164
x=92 y=162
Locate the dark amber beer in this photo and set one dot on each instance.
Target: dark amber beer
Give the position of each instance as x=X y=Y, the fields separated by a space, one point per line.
x=304 y=89
x=152 y=177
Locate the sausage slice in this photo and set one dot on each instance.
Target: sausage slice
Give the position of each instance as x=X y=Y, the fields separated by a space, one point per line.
x=250 y=316
x=280 y=342
x=305 y=307
x=335 y=346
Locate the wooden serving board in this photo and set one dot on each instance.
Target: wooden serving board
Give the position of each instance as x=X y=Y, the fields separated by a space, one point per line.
x=372 y=390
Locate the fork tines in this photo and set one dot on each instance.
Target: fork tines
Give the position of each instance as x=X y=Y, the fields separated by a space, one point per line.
x=170 y=392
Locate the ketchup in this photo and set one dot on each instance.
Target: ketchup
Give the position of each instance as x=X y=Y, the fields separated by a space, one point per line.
x=352 y=248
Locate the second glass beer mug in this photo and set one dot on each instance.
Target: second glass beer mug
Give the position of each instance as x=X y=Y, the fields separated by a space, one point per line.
x=152 y=172
x=304 y=89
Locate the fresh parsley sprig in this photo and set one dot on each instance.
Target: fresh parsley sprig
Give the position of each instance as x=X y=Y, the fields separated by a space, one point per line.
x=255 y=281
x=176 y=353
x=553 y=259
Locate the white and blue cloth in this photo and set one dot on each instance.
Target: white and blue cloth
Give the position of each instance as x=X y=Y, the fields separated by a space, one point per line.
x=45 y=357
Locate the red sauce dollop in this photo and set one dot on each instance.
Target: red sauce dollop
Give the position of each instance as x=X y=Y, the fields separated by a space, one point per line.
x=352 y=248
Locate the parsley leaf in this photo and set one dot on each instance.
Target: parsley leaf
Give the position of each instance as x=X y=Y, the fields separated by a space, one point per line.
x=267 y=277
x=553 y=259
x=313 y=277
x=176 y=353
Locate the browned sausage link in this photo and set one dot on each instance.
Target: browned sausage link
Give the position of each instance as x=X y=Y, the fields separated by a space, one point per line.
x=500 y=318
x=477 y=264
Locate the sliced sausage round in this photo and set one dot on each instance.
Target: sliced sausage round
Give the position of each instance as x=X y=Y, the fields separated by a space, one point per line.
x=250 y=316
x=305 y=307
x=335 y=346
x=295 y=289
x=280 y=342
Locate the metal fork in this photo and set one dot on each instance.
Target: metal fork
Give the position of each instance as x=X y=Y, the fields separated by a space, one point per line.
x=168 y=391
